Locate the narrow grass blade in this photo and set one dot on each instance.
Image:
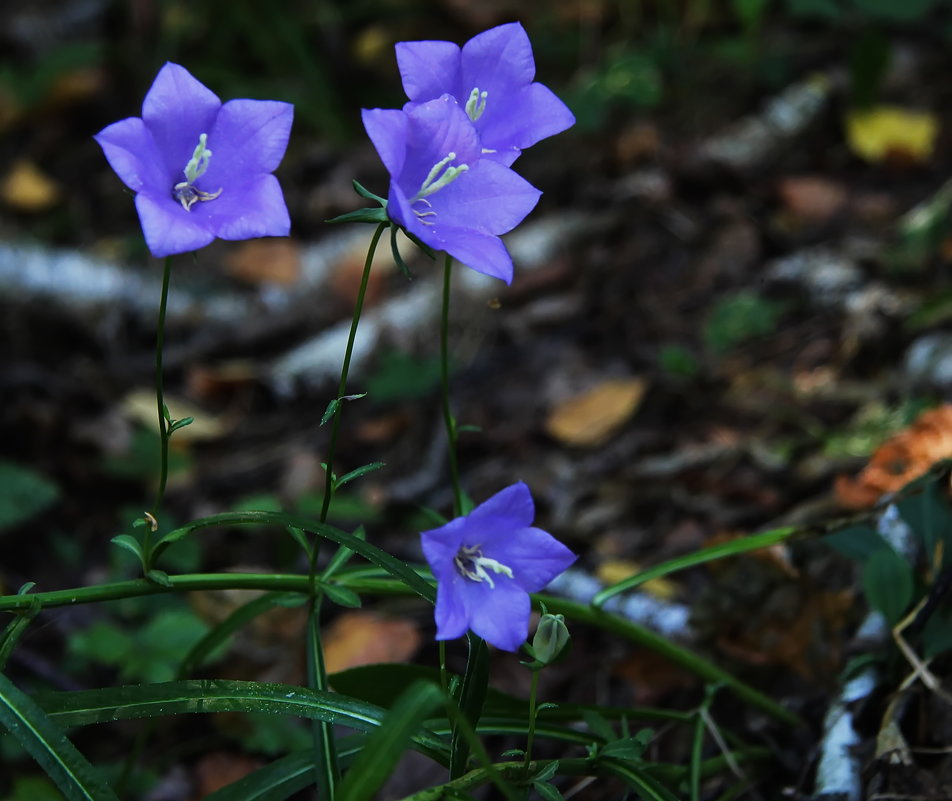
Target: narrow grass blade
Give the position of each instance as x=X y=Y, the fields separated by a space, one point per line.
x=471 y=700
x=45 y=742
x=386 y=745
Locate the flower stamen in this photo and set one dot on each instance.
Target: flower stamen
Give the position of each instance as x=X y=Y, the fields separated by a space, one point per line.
x=476 y=105
x=471 y=563
x=435 y=181
x=185 y=192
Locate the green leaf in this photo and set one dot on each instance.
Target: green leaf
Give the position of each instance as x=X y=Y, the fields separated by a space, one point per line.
x=547 y=791
x=547 y=772
x=598 y=725
x=220 y=695
x=366 y=194
x=23 y=494
x=341 y=595
x=342 y=556
x=330 y=411
x=177 y=424
x=360 y=471
x=472 y=697
x=301 y=539
x=131 y=544
x=888 y=583
x=395 y=253
x=928 y=514
x=629 y=749
x=375 y=216
x=732 y=548
x=856 y=542
x=385 y=746
x=46 y=743
x=159 y=577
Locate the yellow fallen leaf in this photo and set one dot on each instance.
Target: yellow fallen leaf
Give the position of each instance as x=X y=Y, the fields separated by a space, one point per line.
x=26 y=188
x=889 y=132
x=139 y=406
x=615 y=570
x=358 y=638
x=593 y=416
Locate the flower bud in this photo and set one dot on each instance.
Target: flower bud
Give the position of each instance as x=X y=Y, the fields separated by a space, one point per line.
x=551 y=637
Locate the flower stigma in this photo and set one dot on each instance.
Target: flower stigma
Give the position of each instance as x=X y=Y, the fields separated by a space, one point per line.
x=435 y=180
x=185 y=192
x=476 y=104
x=471 y=563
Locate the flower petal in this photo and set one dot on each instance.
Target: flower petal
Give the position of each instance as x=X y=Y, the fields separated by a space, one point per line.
x=256 y=208
x=388 y=129
x=440 y=546
x=481 y=252
x=452 y=618
x=249 y=137
x=437 y=128
x=131 y=151
x=526 y=116
x=498 y=58
x=535 y=556
x=488 y=196
x=168 y=228
x=512 y=504
x=428 y=69
x=499 y=615
x=176 y=110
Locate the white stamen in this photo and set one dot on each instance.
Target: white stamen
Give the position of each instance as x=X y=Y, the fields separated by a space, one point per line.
x=471 y=563
x=476 y=104
x=184 y=192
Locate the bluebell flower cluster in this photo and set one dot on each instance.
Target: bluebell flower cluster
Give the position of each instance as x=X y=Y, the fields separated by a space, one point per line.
x=471 y=112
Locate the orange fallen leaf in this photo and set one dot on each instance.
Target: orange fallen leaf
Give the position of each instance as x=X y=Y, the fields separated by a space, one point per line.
x=363 y=638
x=588 y=419
x=902 y=458
x=264 y=261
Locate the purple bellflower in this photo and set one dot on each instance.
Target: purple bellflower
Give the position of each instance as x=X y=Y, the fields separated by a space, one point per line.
x=442 y=191
x=201 y=169
x=492 y=79
x=486 y=564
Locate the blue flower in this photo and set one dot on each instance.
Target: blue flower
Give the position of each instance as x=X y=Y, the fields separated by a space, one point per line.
x=200 y=169
x=442 y=190
x=486 y=564
x=492 y=79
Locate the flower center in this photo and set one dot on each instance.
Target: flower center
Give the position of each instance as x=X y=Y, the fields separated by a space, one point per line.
x=185 y=192
x=476 y=104
x=440 y=175
x=471 y=563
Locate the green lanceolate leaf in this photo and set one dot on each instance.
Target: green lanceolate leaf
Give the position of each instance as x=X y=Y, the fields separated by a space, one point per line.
x=45 y=742
x=371 y=553
x=342 y=556
x=341 y=596
x=471 y=700
x=131 y=544
x=888 y=583
x=220 y=695
x=385 y=746
x=330 y=411
x=360 y=471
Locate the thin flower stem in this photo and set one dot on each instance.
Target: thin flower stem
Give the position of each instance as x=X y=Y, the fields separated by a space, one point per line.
x=160 y=407
x=532 y=720
x=444 y=676
x=448 y=419
x=345 y=369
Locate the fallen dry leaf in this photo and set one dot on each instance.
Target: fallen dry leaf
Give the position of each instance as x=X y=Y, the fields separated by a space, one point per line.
x=614 y=570
x=26 y=188
x=265 y=261
x=811 y=198
x=219 y=769
x=900 y=459
x=890 y=133
x=363 y=638
x=588 y=419
x=139 y=406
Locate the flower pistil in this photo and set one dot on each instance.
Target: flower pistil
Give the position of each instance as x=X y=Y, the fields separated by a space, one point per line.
x=435 y=180
x=471 y=563
x=185 y=192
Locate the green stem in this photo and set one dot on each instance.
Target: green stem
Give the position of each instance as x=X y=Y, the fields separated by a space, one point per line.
x=160 y=408
x=448 y=419
x=532 y=720
x=345 y=369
